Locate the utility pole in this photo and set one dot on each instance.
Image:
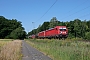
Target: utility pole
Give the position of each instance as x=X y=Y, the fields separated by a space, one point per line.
x=33 y=26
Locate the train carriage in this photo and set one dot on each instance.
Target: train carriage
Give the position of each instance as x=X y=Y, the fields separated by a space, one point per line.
x=56 y=32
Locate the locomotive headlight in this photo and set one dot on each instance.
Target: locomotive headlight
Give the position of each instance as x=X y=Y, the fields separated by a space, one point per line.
x=61 y=31
x=65 y=32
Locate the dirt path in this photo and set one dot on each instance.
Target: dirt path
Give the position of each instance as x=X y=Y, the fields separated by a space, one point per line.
x=30 y=53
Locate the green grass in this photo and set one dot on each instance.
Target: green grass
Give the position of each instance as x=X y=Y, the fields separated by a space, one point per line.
x=63 y=49
x=6 y=39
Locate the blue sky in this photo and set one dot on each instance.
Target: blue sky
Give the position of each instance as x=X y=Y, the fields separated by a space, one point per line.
x=28 y=11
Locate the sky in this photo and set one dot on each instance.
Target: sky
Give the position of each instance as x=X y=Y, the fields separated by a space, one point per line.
x=29 y=12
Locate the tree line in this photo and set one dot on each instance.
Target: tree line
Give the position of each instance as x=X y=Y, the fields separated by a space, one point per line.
x=77 y=28
x=11 y=29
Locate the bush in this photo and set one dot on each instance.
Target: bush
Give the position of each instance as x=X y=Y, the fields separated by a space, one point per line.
x=71 y=36
x=87 y=36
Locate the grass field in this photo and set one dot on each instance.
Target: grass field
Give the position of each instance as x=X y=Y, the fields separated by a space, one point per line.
x=6 y=39
x=10 y=50
x=63 y=49
x=3 y=42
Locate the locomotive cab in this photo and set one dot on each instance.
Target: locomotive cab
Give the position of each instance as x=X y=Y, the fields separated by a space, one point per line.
x=63 y=32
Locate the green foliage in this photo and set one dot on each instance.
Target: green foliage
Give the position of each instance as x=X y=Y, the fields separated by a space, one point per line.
x=88 y=25
x=43 y=27
x=7 y=27
x=87 y=35
x=53 y=22
x=18 y=33
x=70 y=35
x=76 y=28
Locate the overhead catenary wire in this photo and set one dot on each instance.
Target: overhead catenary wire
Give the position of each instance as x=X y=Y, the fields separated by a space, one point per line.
x=76 y=12
x=77 y=6
x=47 y=10
x=84 y=15
x=44 y=13
x=69 y=11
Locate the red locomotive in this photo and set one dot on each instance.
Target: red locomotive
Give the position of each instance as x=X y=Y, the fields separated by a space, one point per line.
x=56 y=32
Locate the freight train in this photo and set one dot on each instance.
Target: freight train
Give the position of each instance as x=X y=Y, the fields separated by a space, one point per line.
x=56 y=32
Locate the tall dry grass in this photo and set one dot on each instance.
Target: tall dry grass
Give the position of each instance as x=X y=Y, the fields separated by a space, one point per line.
x=11 y=51
x=3 y=43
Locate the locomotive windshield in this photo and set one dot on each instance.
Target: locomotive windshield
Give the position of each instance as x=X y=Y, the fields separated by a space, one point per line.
x=62 y=29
